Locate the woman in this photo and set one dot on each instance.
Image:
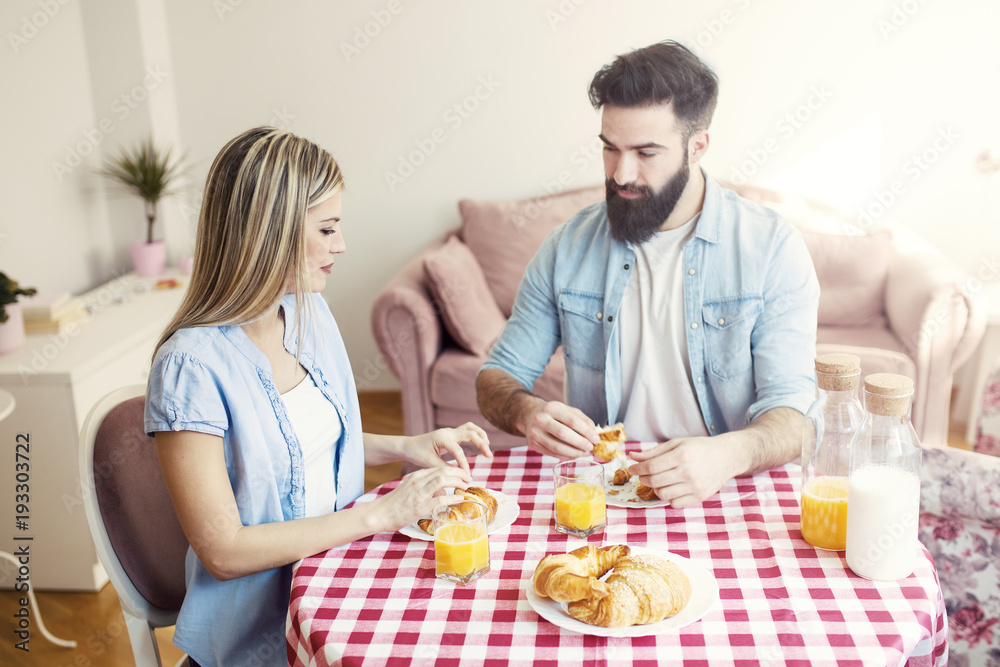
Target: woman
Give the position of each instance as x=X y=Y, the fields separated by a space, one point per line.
x=254 y=409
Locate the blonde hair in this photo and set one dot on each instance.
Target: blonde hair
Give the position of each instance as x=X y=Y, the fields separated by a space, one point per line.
x=251 y=241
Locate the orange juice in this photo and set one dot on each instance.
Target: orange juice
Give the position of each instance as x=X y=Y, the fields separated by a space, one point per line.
x=824 y=513
x=461 y=550
x=580 y=506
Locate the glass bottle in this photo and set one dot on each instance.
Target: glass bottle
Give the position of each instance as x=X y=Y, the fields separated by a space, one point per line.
x=884 y=483
x=830 y=424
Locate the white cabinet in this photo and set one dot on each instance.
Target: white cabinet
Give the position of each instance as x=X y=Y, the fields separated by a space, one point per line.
x=56 y=378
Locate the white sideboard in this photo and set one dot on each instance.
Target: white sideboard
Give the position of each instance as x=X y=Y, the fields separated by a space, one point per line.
x=56 y=378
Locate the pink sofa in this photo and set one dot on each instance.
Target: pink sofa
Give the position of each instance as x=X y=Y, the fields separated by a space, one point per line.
x=886 y=296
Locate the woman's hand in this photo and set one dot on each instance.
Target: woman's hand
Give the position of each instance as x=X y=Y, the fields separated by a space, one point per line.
x=418 y=494
x=426 y=450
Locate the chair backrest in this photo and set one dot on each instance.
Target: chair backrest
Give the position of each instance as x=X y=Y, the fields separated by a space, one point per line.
x=138 y=537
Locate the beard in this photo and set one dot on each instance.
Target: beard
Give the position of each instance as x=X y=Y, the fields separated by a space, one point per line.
x=636 y=220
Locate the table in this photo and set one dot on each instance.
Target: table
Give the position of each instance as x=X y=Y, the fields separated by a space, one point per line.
x=782 y=602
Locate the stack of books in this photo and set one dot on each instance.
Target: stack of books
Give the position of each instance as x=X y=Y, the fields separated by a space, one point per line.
x=51 y=312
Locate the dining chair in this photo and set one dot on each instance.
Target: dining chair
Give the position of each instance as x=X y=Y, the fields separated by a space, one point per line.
x=137 y=534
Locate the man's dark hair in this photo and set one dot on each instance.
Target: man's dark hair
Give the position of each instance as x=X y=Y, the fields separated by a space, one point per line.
x=659 y=74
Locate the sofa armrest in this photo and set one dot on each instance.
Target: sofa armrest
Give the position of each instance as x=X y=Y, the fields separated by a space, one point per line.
x=408 y=332
x=938 y=321
x=958 y=484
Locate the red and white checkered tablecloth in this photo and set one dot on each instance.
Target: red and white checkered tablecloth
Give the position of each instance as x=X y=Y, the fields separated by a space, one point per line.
x=782 y=602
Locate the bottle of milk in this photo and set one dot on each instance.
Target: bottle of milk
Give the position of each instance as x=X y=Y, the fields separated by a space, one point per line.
x=883 y=503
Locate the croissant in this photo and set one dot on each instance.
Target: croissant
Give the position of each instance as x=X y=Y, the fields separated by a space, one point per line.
x=612 y=440
x=466 y=510
x=642 y=589
x=609 y=448
x=574 y=576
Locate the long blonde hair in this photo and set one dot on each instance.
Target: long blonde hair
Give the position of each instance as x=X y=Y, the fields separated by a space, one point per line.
x=251 y=242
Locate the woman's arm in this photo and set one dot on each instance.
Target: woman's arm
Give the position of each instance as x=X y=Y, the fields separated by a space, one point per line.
x=194 y=469
x=426 y=450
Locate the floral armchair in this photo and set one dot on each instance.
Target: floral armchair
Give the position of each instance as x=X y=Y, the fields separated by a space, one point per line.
x=960 y=526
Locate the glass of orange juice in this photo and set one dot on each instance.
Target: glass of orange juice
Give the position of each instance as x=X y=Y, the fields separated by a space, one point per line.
x=580 y=508
x=461 y=542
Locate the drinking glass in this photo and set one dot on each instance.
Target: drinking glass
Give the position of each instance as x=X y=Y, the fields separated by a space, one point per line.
x=461 y=541
x=580 y=508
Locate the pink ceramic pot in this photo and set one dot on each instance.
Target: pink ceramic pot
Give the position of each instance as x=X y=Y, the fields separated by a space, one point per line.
x=150 y=259
x=12 y=331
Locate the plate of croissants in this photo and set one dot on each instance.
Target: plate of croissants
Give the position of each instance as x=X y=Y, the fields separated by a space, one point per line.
x=648 y=591
x=501 y=509
x=622 y=488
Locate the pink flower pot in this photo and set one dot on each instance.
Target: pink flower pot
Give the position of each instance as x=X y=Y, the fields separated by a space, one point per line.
x=150 y=259
x=12 y=331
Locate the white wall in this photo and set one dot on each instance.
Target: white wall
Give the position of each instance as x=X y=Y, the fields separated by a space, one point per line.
x=896 y=73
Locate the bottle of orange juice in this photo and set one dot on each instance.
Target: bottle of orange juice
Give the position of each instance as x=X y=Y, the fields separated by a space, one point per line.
x=830 y=424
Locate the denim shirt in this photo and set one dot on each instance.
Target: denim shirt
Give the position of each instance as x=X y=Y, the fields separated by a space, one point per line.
x=215 y=380
x=750 y=312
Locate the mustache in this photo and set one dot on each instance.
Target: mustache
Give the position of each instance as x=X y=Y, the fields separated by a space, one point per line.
x=631 y=188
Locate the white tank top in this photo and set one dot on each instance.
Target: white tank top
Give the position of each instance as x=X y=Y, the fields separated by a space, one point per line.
x=317 y=426
x=658 y=399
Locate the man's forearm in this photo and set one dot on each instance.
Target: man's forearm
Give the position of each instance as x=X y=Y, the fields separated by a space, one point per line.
x=504 y=401
x=771 y=440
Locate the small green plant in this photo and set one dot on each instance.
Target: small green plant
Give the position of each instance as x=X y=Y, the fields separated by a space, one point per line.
x=145 y=171
x=9 y=291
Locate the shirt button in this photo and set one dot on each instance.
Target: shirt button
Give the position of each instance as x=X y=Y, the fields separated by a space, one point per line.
x=626 y=267
x=690 y=272
x=600 y=316
x=611 y=318
x=694 y=325
x=699 y=378
x=722 y=321
x=712 y=427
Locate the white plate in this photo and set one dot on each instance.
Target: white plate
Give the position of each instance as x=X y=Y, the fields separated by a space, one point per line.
x=704 y=595
x=626 y=494
x=507 y=512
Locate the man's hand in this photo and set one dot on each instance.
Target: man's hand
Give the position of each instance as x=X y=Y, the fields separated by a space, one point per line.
x=552 y=427
x=686 y=471
x=558 y=430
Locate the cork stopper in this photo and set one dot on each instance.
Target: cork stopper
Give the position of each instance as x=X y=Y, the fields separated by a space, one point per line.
x=888 y=394
x=838 y=372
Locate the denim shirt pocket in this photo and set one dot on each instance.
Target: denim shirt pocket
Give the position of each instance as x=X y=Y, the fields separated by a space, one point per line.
x=581 y=321
x=728 y=325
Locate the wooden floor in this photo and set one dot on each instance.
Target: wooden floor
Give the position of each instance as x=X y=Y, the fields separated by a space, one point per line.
x=95 y=621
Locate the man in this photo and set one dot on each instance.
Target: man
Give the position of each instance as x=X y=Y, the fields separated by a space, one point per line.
x=683 y=310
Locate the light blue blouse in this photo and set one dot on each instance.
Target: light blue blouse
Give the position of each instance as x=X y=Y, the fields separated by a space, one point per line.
x=215 y=380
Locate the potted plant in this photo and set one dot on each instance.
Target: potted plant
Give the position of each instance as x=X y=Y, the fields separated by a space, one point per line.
x=11 y=319
x=150 y=173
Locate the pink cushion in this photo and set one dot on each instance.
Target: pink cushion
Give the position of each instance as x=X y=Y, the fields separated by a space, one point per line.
x=852 y=271
x=504 y=236
x=467 y=306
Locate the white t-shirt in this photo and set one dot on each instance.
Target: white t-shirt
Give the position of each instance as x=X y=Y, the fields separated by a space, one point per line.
x=658 y=399
x=317 y=427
